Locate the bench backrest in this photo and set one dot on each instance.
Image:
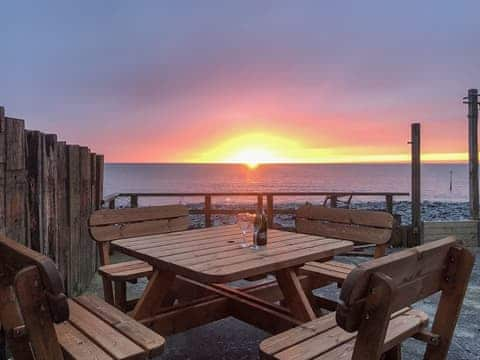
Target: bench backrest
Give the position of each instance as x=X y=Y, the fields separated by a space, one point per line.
x=107 y=225
x=113 y=224
x=376 y=289
x=363 y=226
x=31 y=283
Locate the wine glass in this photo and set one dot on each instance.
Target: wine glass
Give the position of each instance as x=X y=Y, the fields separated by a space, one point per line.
x=245 y=222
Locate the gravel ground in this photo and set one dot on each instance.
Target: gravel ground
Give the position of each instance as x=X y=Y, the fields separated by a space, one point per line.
x=233 y=339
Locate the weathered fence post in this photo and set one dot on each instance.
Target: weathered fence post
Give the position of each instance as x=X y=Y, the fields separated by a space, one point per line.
x=15 y=181
x=33 y=161
x=99 y=178
x=64 y=255
x=49 y=196
x=73 y=188
x=416 y=185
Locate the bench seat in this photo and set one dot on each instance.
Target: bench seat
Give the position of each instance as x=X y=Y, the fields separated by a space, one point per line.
x=332 y=270
x=97 y=330
x=323 y=339
x=126 y=271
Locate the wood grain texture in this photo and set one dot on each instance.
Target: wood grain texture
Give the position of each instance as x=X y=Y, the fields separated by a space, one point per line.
x=103 y=334
x=35 y=311
x=10 y=318
x=294 y=295
x=357 y=233
x=364 y=226
x=371 y=293
x=76 y=345
x=378 y=219
x=333 y=271
x=117 y=216
x=323 y=339
x=214 y=255
x=74 y=217
x=126 y=270
x=156 y=292
x=15 y=181
x=151 y=342
x=113 y=224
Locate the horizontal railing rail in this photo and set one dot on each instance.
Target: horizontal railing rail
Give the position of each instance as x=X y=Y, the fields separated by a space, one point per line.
x=208 y=210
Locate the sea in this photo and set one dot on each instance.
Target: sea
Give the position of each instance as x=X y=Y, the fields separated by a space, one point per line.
x=444 y=187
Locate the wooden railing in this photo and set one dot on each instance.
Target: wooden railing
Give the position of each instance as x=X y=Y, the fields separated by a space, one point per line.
x=208 y=210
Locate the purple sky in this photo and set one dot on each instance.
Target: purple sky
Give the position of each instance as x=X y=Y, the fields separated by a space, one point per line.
x=141 y=80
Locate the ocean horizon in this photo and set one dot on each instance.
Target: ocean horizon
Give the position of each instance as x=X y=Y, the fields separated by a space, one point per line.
x=215 y=177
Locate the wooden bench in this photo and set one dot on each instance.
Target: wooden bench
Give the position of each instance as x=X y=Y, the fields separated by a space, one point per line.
x=361 y=226
x=107 y=225
x=41 y=323
x=372 y=318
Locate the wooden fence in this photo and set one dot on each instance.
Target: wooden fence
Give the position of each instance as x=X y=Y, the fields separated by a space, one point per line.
x=47 y=190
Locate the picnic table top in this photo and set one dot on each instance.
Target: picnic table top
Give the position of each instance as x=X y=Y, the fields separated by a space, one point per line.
x=214 y=255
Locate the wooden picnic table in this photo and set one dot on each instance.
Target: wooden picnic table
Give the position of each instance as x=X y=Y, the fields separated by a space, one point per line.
x=214 y=256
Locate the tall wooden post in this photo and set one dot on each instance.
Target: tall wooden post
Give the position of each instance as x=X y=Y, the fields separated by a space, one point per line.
x=473 y=152
x=416 y=183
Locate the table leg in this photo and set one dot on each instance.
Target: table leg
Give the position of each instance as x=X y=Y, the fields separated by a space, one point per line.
x=157 y=290
x=295 y=297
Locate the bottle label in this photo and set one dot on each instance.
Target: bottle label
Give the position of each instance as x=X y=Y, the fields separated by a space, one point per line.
x=262 y=238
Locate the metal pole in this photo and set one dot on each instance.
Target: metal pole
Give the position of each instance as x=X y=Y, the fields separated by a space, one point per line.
x=473 y=152
x=416 y=183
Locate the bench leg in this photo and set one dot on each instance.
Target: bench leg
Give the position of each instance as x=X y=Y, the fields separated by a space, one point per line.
x=108 y=291
x=121 y=295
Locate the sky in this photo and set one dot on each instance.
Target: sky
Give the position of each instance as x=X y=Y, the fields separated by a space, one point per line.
x=243 y=81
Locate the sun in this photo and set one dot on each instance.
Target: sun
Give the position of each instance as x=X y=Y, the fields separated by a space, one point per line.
x=253 y=156
x=251 y=149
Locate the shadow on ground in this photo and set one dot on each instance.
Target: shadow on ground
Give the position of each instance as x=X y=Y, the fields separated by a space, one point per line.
x=233 y=339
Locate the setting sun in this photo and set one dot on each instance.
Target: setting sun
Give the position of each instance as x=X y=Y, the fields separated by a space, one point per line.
x=251 y=149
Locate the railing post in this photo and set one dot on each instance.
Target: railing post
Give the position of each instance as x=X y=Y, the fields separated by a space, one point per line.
x=270 y=210
x=208 y=208
x=134 y=201
x=333 y=201
x=389 y=202
x=111 y=204
x=260 y=202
